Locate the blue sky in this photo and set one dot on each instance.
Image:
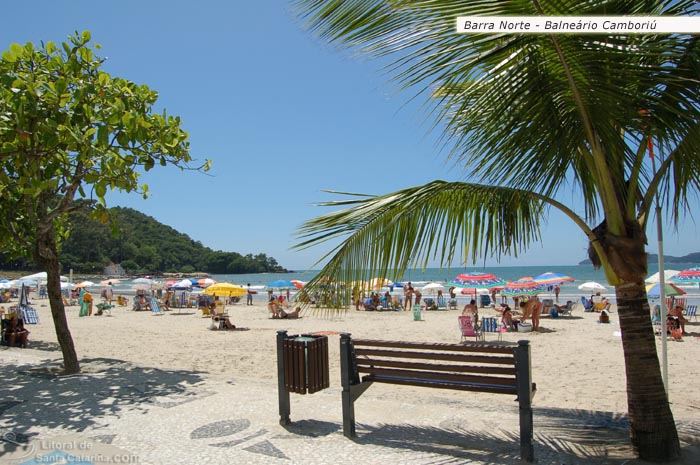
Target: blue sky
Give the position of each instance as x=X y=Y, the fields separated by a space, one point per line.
x=282 y=115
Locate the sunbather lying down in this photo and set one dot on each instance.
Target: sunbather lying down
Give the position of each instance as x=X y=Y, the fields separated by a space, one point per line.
x=282 y=313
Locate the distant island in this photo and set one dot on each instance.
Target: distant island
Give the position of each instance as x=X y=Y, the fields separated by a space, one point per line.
x=654 y=258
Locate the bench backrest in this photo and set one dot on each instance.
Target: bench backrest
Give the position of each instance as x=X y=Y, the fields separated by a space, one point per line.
x=468 y=366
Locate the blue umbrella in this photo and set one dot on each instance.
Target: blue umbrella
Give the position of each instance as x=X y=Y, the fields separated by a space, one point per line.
x=281 y=283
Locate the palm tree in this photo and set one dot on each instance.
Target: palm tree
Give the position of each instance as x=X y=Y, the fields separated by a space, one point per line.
x=532 y=117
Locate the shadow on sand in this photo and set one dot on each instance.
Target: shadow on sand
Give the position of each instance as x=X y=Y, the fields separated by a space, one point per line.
x=37 y=396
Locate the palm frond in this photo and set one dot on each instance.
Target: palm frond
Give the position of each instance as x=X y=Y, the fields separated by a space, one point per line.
x=437 y=222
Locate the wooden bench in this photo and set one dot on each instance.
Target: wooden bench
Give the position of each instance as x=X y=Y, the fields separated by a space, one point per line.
x=481 y=367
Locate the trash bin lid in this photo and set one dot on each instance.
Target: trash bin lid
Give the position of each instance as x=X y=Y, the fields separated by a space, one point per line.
x=304 y=339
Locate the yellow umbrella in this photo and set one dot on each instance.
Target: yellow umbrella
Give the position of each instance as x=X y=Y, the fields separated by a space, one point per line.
x=225 y=289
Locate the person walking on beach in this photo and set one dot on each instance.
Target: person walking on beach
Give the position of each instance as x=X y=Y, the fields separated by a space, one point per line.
x=249 y=296
x=109 y=294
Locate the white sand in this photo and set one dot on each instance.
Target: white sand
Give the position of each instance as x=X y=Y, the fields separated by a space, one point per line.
x=577 y=363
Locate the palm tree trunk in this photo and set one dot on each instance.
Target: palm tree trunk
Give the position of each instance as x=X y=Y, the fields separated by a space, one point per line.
x=652 y=428
x=46 y=256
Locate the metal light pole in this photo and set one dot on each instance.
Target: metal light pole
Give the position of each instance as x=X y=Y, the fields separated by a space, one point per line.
x=662 y=279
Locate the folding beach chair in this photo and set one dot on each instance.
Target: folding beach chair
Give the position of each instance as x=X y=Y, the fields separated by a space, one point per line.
x=491 y=324
x=29 y=314
x=691 y=311
x=467 y=327
x=155 y=308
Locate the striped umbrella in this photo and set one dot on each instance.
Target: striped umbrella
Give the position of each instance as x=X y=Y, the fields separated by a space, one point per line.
x=689 y=276
x=551 y=277
x=477 y=279
x=522 y=287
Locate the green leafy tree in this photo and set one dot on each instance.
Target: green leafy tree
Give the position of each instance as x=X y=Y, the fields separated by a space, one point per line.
x=68 y=130
x=533 y=118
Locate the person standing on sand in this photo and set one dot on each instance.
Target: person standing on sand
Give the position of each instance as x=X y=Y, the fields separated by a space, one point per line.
x=249 y=295
x=109 y=294
x=556 y=292
x=408 y=297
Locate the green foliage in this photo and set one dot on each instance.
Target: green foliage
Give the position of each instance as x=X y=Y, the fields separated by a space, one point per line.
x=143 y=245
x=69 y=130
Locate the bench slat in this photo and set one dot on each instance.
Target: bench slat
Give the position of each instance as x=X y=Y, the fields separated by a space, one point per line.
x=490 y=359
x=441 y=384
x=441 y=377
x=464 y=347
x=495 y=370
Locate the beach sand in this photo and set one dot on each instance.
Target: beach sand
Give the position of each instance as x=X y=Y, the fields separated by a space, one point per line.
x=577 y=363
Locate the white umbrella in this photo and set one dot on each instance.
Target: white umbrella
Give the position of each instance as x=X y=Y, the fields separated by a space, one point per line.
x=432 y=287
x=142 y=281
x=67 y=285
x=592 y=286
x=85 y=284
x=41 y=276
x=653 y=279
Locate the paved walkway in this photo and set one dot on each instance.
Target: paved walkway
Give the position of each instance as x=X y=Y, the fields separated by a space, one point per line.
x=115 y=412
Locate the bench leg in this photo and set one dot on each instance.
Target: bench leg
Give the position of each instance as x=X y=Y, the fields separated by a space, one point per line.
x=282 y=392
x=524 y=380
x=345 y=375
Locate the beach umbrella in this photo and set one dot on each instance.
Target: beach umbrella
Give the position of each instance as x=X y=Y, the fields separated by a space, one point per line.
x=477 y=279
x=85 y=284
x=182 y=284
x=110 y=281
x=225 y=290
x=298 y=284
x=592 y=286
x=522 y=287
x=551 y=277
x=689 y=276
x=281 y=283
x=67 y=285
x=141 y=287
x=206 y=282
x=432 y=288
x=668 y=274
x=142 y=281
x=670 y=290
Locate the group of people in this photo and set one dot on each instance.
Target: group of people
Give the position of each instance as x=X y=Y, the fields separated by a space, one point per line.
x=529 y=310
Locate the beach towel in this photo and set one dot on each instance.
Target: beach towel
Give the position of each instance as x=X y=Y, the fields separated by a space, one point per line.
x=85 y=308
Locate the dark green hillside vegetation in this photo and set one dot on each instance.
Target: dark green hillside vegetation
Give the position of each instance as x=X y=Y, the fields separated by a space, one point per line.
x=142 y=245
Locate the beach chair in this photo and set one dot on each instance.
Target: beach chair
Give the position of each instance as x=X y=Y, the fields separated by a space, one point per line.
x=566 y=309
x=491 y=324
x=441 y=303
x=155 y=307
x=691 y=311
x=453 y=304
x=467 y=328
x=29 y=314
x=587 y=304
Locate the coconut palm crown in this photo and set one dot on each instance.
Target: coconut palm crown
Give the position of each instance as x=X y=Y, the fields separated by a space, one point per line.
x=532 y=117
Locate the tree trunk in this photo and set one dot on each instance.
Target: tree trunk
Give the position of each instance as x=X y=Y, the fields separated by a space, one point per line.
x=46 y=256
x=652 y=428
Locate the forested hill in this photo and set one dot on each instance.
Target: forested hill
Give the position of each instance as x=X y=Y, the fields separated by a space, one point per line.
x=143 y=245
x=654 y=258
